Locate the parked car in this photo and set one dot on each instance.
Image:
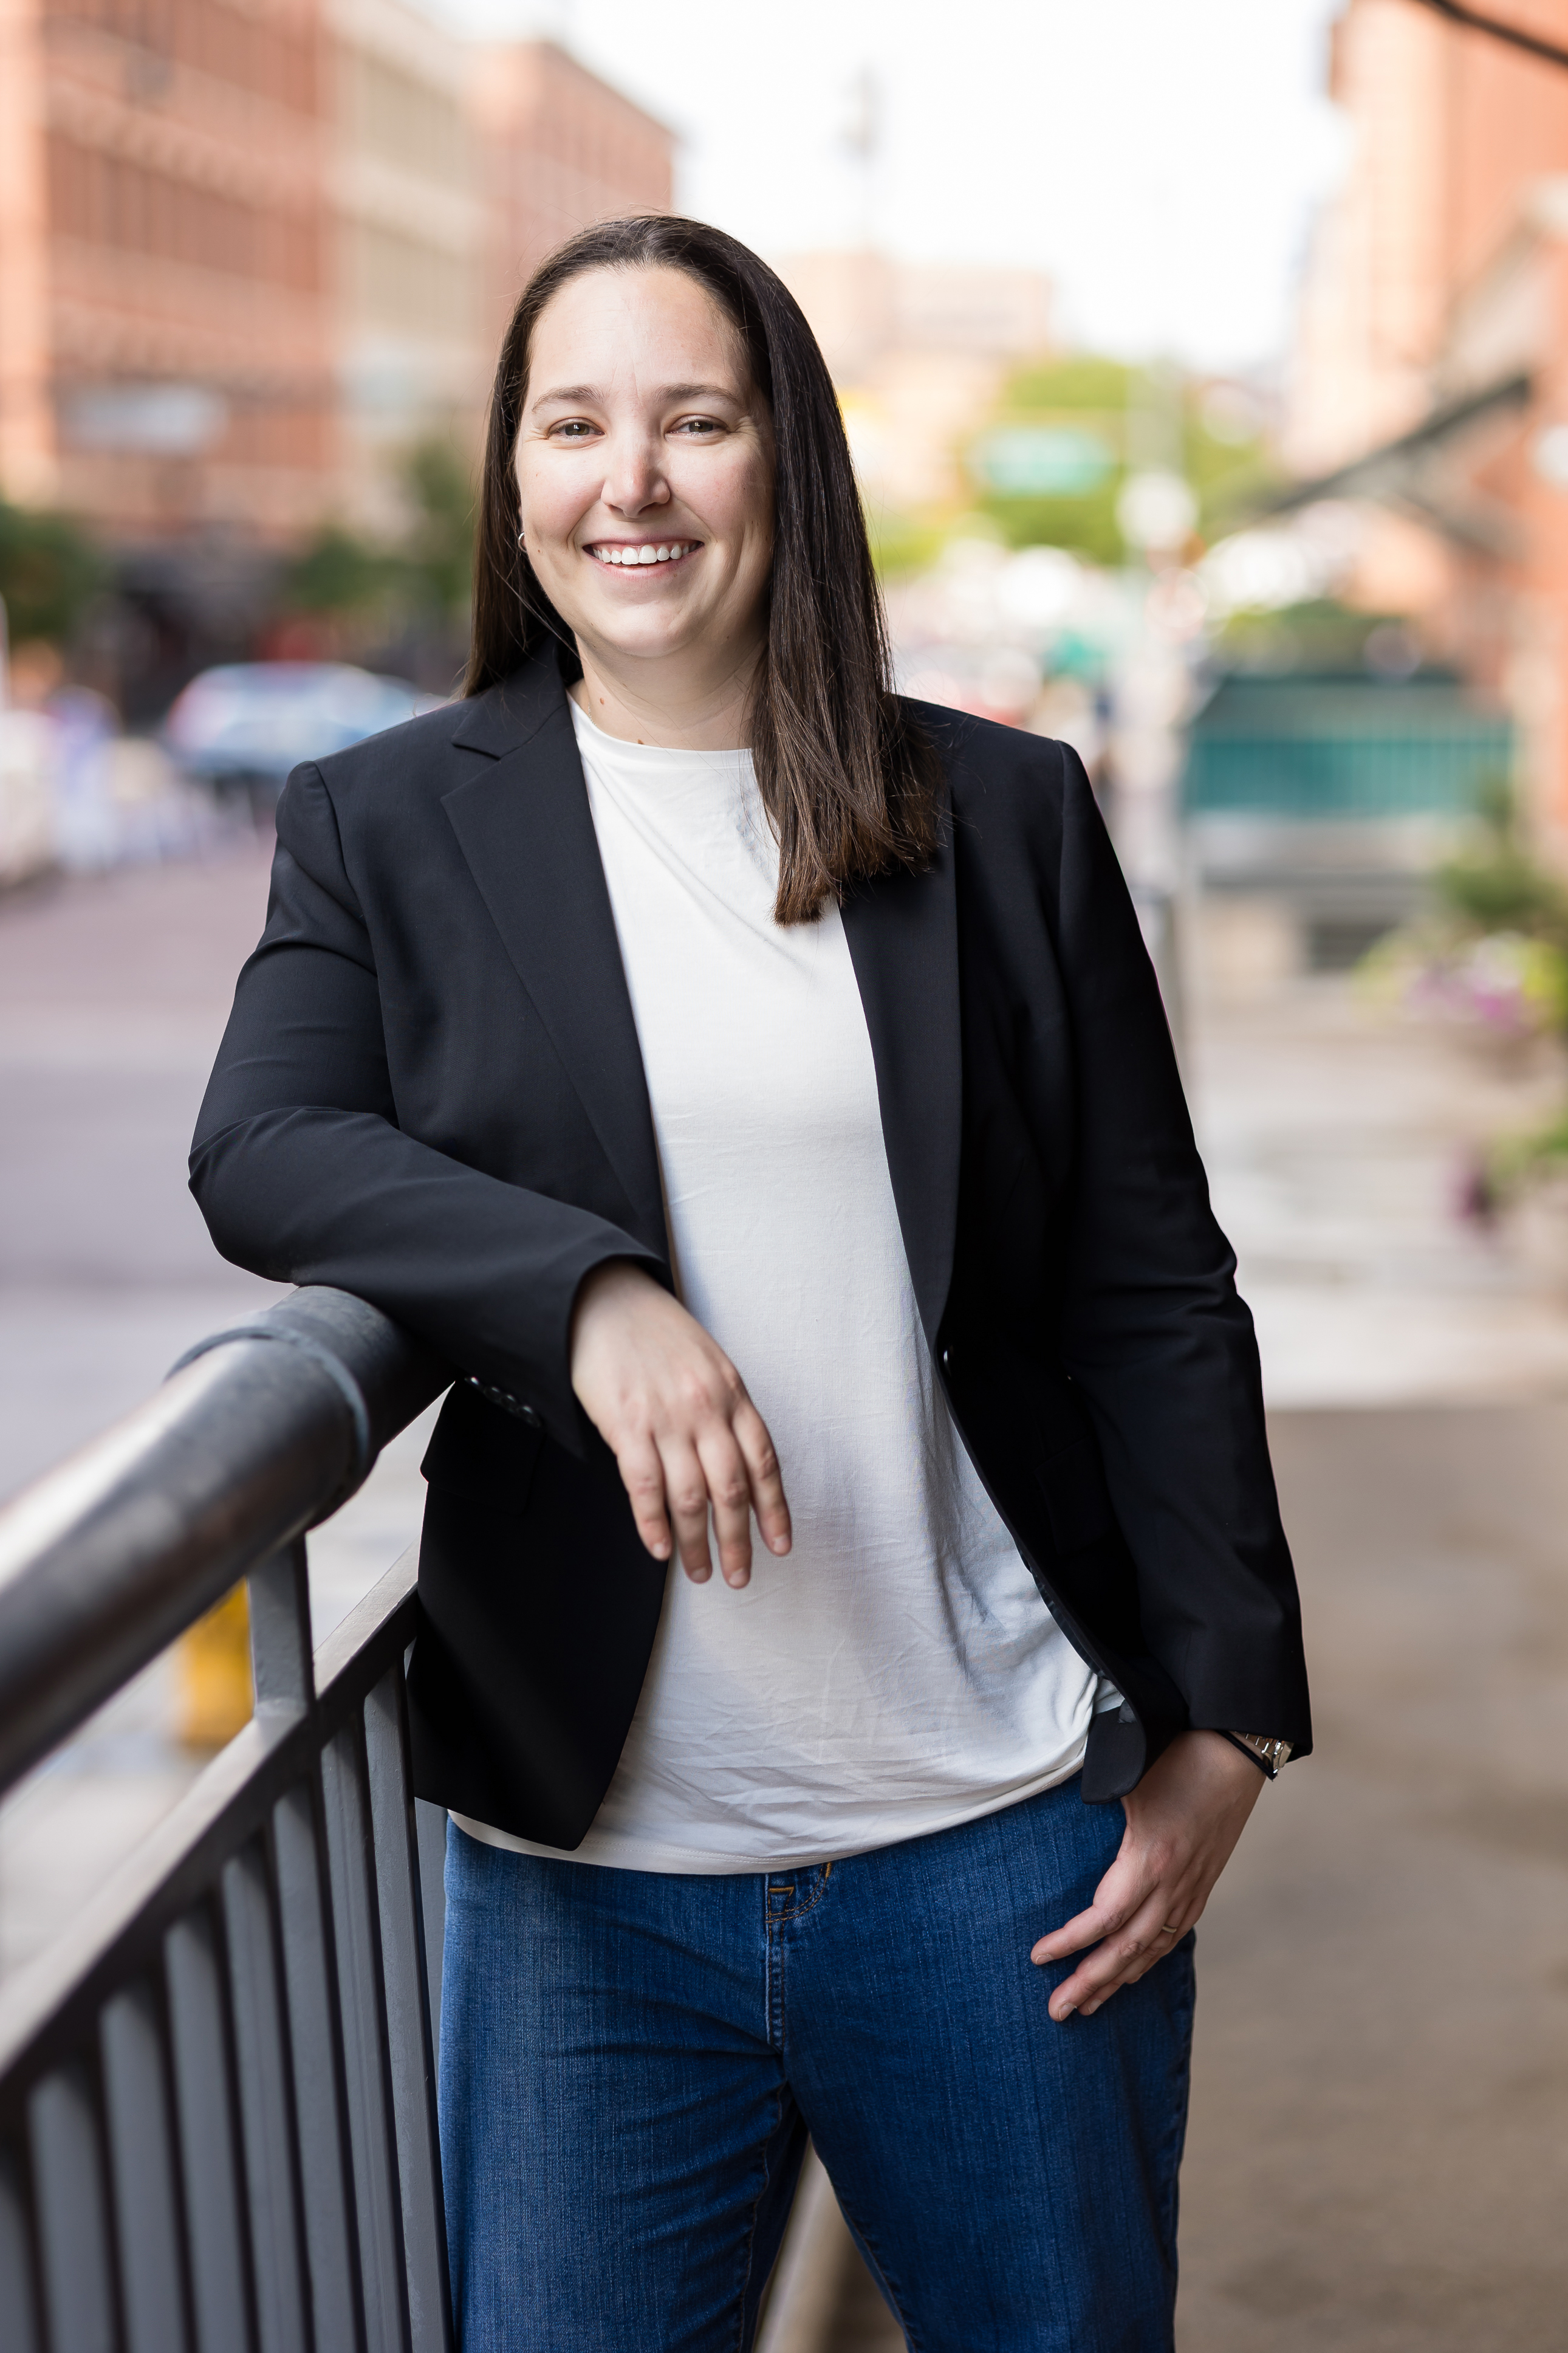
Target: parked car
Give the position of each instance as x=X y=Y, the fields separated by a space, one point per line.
x=241 y=727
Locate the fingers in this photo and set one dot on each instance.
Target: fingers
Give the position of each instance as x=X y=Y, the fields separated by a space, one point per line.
x=686 y=1499
x=1084 y=1928
x=642 y=1475
x=674 y=1481
x=766 y=1479
x=729 y=1491
x=674 y=1410
x=1132 y=1938
x=1119 y=1960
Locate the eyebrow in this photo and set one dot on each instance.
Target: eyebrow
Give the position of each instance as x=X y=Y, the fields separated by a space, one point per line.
x=588 y=394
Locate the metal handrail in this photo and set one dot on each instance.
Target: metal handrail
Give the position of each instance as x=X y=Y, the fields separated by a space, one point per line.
x=259 y=1434
x=217 y=2120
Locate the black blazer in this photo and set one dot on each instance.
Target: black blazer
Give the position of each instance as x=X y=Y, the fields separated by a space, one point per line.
x=430 y=1093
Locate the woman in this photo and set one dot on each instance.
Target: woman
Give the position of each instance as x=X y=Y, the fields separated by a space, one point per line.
x=755 y=1085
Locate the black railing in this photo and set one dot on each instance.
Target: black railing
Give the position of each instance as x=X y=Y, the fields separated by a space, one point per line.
x=217 y=2117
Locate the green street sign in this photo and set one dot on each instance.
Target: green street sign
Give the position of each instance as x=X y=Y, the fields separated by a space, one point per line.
x=1041 y=460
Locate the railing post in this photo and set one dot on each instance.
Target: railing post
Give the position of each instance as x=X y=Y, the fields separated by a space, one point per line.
x=73 y=2226
x=409 y=2040
x=280 y=1648
x=142 y=2170
x=19 y=2313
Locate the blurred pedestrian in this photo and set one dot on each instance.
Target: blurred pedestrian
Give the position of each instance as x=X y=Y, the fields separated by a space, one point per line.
x=757 y=1088
x=87 y=822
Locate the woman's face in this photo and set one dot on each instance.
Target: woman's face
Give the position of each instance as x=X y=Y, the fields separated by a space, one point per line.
x=645 y=470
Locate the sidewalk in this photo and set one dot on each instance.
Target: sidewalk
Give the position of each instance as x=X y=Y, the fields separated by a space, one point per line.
x=1378 y=2158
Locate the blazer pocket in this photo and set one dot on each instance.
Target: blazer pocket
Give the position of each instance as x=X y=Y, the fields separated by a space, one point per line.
x=1077 y=1501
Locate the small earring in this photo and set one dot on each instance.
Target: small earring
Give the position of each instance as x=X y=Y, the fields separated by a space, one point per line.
x=521 y=539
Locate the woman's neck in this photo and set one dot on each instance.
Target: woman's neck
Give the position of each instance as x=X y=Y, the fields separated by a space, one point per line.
x=705 y=714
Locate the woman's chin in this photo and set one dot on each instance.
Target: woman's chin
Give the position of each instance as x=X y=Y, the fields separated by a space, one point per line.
x=645 y=636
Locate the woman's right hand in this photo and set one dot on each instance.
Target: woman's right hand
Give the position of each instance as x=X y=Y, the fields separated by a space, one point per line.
x=674 y=1412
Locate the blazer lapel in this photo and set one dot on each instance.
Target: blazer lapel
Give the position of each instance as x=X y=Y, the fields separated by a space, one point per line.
x=902 y=931
x=523 y=824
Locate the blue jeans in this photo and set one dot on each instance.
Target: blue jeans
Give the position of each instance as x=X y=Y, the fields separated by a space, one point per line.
x=631 y=2063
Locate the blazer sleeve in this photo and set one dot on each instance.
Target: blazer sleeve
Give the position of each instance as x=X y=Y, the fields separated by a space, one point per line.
x=303 y=1176
x=1154 y=1333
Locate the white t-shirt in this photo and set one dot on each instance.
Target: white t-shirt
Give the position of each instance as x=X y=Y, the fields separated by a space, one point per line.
x=896 y=1672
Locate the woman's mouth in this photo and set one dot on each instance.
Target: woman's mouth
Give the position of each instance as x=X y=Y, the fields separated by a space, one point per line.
x=641 y=553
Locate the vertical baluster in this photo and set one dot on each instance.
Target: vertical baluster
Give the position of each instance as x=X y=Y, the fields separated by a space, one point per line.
x=260 y=2052
x=280 y=1656
x=142 y=2172
x=203 y=2101
x=430 y=1822
x=408 y=2014
x=18 y=2303
x=73 y=2228
x=330 y=2235
x=356 y=1939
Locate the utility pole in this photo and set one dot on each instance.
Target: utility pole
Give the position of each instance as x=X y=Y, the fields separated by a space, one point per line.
x=862 y=140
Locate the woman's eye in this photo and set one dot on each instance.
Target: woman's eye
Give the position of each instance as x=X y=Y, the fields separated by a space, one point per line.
x=697 y=427
x=575 y=428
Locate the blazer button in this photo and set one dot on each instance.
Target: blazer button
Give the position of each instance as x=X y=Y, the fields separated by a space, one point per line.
x=526 y=1413
x=946 y=1359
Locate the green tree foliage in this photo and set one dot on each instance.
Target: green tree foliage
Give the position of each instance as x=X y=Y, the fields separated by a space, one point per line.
x=427 y=576
x=1497 y=884
x=340 y=573
x=440 y=548
x=1226 y=467
x=1320 y=635
x=49 y=571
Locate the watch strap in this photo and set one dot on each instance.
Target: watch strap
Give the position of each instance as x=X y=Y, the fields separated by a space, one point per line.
x=1268 y=1755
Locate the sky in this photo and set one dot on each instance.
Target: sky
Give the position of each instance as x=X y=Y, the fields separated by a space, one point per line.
x=1160 y=160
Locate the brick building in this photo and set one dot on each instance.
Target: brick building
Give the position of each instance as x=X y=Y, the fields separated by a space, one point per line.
x=164 y=336
x=559 y=148
x=407 y=246
x=1431 y=379
x=250 y=248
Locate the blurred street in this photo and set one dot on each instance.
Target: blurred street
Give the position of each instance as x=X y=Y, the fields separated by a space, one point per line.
x=1376 y=2157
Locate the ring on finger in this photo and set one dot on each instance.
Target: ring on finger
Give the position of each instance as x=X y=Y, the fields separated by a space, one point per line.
x=1169 y=1930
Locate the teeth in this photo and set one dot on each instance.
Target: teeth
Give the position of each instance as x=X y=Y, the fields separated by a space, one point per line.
x=648 y=553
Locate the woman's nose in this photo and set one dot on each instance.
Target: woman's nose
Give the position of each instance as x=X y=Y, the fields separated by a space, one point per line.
x=635 y=479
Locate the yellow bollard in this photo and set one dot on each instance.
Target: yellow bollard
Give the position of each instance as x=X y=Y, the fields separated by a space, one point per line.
x=212 y=1667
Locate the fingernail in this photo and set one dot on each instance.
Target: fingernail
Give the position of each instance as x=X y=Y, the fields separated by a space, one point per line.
x=1063 y=2015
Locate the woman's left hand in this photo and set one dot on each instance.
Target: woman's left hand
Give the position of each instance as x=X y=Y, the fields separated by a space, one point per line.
x=1183 y=1821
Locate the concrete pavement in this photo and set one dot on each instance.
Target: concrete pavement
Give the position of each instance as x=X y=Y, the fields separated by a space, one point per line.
x=1378 y=2158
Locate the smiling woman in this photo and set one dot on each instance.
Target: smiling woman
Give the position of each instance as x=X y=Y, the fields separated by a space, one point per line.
x=732 y=455
x=754 y=1085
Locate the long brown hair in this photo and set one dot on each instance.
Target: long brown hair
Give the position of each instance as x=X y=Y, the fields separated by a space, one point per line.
x=849 y=782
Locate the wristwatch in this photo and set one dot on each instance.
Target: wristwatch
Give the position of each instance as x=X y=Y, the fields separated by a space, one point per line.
x=1266 y=1754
